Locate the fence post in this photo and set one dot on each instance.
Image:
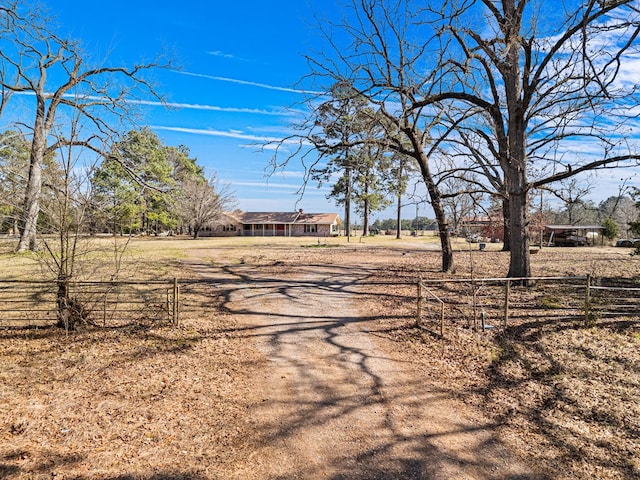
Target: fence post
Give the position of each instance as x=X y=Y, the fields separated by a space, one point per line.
x=419 y=312
x=169 y=305
x=475 y=309
x=441 y=318
x=507 y=293
x=587 y=301
x=176 y=299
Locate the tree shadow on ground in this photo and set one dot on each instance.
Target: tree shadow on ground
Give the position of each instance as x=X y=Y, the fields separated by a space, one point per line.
x=302 y=319
x=9 y=464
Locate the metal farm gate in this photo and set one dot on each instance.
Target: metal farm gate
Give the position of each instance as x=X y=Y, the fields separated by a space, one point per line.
x=25 y=303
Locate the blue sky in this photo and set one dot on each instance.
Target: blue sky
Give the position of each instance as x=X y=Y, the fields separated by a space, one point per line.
x=239 y=68
x=240 y=64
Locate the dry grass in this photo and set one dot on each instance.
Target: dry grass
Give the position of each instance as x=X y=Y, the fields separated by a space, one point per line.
x=567 y=397
x=105 y=403
x=78 y=405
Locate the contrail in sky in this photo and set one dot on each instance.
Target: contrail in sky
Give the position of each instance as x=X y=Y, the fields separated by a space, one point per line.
x=246 y=82
x=187 y=106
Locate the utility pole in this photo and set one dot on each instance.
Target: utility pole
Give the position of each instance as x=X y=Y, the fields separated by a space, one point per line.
x=347 y=204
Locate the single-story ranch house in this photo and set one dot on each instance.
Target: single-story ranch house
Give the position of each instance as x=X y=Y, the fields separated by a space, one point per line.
x=275 y=224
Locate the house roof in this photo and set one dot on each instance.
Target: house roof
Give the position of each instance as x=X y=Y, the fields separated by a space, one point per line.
x=267 y=217
x=270 y=218
x=319 y=218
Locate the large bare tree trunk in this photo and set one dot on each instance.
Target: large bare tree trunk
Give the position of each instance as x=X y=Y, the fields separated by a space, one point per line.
x=515 y=167
x=31 y=206
x=445 y=238
x=506 y=222
x=438 y=209
x=519 y=264
x=31 y=209
x=520 y=260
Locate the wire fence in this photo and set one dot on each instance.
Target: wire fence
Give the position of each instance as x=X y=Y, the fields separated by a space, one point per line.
x=484 y=303
x=489 y=303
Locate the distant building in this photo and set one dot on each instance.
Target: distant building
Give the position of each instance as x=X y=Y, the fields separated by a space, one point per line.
x=491 y=228
x=276 y=224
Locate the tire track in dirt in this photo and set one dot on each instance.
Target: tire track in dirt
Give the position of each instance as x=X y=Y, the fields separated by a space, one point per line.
x=332 y=404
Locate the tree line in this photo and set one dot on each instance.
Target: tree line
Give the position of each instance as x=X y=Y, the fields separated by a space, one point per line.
x=618 y=214
x=140 y=187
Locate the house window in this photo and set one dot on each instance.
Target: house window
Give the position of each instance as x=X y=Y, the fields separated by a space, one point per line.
x=229 y=228
x=310 y=228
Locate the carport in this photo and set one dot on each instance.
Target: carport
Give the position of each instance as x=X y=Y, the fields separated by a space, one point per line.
x=572 y=235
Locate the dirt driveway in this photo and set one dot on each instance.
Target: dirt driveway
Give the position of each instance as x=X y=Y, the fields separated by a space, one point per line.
x=337 y=401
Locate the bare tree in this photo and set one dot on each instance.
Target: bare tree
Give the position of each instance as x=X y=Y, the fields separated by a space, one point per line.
x=53 y=72
x=535 y=91
x=66 y=216
x=202 y=202
x=573 y=193
x=69 y=253
x=382 y=67
x=531 y=92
